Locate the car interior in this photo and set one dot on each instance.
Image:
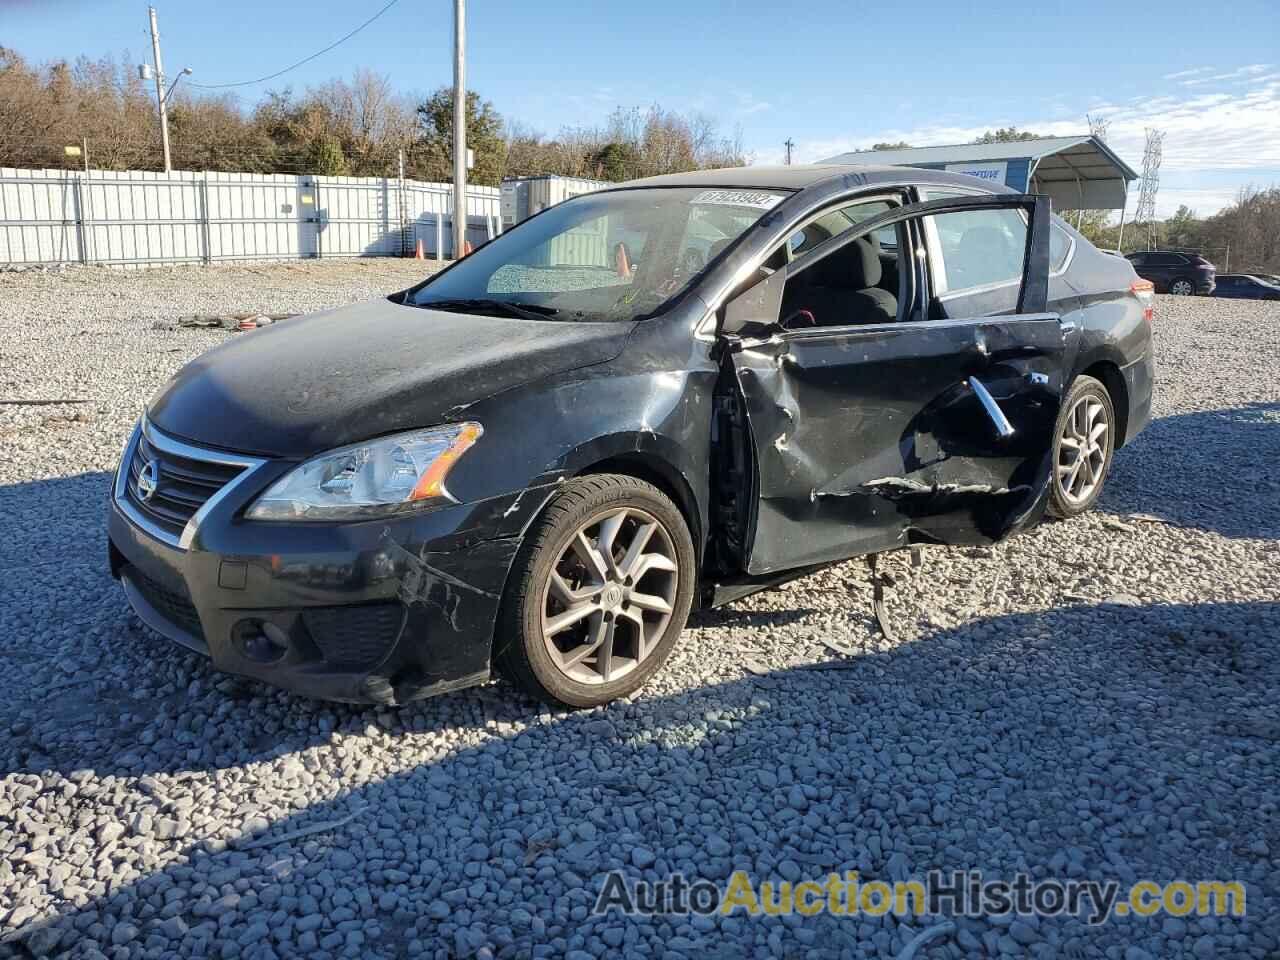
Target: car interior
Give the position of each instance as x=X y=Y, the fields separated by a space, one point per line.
x=848 y=287
x=868 y=280
x=857 y=284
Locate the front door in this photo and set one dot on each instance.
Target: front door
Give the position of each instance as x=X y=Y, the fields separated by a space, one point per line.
x=879 y=420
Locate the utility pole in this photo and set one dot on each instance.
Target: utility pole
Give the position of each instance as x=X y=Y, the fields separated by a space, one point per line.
x=459 y=128
x=160 y=97
x=788 y=144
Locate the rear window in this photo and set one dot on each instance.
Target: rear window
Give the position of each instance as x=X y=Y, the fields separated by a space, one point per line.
x=1060 y=244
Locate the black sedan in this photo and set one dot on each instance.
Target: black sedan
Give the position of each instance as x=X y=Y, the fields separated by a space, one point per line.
x=653 y=398
x=1244 y=286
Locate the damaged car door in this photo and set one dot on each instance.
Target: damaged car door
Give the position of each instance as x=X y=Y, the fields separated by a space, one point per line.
x=878 y=420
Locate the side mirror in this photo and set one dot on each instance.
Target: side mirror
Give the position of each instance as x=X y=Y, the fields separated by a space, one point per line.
x=756 y=308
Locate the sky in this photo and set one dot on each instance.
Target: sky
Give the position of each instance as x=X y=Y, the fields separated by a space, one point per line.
x=828 y=74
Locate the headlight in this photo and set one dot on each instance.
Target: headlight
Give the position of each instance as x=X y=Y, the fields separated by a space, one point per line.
x=369 y=479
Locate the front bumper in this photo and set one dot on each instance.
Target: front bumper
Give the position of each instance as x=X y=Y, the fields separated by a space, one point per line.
x=373 y=612
x=1205 y=287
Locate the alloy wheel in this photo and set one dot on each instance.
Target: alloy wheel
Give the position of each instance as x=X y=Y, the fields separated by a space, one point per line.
x=1082 y=450
x=610 y=596
x=1181 y=288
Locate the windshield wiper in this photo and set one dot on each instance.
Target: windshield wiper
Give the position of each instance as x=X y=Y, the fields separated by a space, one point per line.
x=525 y=311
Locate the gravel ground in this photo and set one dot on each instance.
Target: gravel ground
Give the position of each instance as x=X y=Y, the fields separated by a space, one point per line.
x=1094 y=699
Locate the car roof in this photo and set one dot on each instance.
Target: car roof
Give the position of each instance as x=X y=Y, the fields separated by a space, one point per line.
x=800 y=176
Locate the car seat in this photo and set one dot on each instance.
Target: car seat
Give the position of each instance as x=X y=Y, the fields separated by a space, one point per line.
x=842 y=289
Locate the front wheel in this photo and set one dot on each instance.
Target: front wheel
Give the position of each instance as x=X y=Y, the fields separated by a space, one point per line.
x=1082 y=448
x=598 y=592
x=1182 y=288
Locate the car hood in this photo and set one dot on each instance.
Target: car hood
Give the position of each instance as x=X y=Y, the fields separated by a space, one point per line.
x=312 y=383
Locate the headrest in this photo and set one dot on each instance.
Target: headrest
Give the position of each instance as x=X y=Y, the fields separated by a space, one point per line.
x=854 y=267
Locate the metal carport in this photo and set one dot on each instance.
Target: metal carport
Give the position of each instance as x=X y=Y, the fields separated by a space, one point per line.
x=1078 y=173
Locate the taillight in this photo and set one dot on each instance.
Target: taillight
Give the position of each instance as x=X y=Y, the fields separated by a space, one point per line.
x=1145 y=291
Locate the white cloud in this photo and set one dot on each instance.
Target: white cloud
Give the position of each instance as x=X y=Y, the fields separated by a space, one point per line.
x=1244 y=74
x=1202 y=201
x=1187 y=73
x=748 y=105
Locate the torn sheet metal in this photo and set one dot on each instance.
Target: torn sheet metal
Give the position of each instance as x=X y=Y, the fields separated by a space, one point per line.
x=871 y=439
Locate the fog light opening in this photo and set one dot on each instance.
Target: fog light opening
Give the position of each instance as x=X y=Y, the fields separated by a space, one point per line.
x=260 y=641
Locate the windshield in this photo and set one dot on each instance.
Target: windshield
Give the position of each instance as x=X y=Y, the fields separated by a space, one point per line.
x=599 y=257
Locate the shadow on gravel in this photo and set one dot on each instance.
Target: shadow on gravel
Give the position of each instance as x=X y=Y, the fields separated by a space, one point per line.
x=1106 y=741
x=48 y=521
x=731 y=616
x=1212 y=470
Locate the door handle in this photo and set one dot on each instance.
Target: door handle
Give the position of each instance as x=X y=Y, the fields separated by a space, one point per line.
x=1003 y=427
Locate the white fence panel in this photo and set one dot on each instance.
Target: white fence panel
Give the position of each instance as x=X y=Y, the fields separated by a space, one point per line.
x=40 y=213
x=255 y=216
x=133 y=218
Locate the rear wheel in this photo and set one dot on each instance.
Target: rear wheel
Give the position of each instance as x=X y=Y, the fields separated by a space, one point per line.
x=1082 y=448
x=1182 y=288
x=598 y=593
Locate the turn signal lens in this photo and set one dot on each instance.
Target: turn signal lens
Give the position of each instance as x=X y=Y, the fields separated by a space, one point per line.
x=1145 y=291
x=431 y=484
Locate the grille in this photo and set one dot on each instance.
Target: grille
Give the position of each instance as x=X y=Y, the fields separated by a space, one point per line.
x=354 y=637
x=185 y=484
x=174 y=606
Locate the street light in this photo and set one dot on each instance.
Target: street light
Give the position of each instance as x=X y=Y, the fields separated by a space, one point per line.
x=186 y=72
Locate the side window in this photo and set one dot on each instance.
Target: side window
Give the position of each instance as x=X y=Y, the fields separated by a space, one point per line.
x=833 y=223
x=1059 y=248
x=1138 y=259
x=979 y=248
x=856 y=284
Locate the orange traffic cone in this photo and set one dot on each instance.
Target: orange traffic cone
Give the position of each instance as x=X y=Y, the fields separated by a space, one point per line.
x=418 y=254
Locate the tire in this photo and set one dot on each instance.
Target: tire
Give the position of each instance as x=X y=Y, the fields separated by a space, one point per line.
x=564 y=595
x=1182 y=287
x=1086 y=406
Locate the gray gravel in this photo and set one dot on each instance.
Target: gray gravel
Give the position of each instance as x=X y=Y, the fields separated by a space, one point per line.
x=1096 y=698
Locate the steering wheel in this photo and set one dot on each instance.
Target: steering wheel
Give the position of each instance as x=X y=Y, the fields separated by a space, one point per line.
x=693 y=262
x=799 y=319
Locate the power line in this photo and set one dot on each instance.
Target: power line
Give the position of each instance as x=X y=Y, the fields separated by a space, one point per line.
x=280 y=73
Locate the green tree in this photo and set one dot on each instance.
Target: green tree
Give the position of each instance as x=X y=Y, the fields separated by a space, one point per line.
x=327 y=159
x=614 y=161
x=1183 y=229
x=431 y=156
x=1006 y=135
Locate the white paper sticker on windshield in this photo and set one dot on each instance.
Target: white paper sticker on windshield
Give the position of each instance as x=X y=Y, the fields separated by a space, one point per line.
x=740 y=198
